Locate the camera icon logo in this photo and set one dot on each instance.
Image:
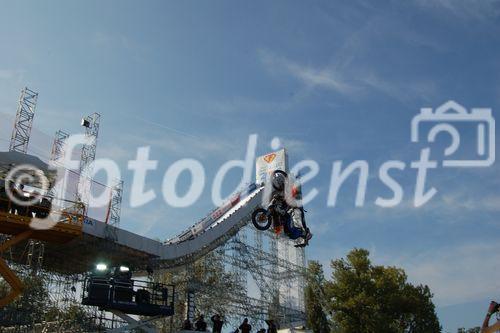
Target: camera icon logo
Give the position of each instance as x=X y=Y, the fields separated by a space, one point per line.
x=445 y=117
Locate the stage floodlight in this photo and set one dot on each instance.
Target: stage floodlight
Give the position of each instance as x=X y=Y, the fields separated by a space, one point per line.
x=101 y=267
x=124 y=269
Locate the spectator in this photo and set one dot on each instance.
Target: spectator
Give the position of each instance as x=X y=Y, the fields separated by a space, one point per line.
x=186 y=326
x=43 y=209
x=14 y=191
x=271 y=326
x=4 y=199
x=245 y=327
x=492 y=309
x=200 y=324
x=217 y=323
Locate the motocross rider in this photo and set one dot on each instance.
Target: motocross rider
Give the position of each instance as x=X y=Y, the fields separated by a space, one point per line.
x=293 y=206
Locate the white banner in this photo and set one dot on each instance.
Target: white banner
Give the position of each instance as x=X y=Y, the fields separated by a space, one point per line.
x=268 y=163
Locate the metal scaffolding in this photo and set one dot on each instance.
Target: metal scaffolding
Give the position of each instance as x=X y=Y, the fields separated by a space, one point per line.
x=34 y=258
x=116 y=204
x=56 y=153
x=248 y=275
x=57 y=150
x=24 y=121
x=115 y=208
x=63 y=288
x=270 y=272
x=91 y=124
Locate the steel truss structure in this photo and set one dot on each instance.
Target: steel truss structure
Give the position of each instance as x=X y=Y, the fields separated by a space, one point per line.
x=36 y=249
x=57 y=151
x=114 y=211
x=91 y=124
x=64 y=289
x=269 y=273
x=24 y=121
x=276 y=268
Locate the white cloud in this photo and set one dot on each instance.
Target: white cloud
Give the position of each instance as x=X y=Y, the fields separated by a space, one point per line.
x=460 y=201
x=5 y=74
x=464 y=9
x=115 y=152
x=13 y=77
x=320 y=77
x=186 y=146
x=312 y=77
x=420 y=88
x=12 y=74
x=457 y=274
x=361 y=79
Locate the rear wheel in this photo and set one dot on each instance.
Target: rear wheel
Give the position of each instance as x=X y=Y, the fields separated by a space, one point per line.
x=260 y=219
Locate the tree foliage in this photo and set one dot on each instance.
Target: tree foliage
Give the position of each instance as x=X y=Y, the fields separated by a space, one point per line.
x=28 y=308
x=362 y=297
x=35 y=306
x=315 y=299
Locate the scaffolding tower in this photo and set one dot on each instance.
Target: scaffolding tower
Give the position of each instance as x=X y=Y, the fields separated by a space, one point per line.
x=114 y=211
x=269 y=275
x=63 y=288
x=57 y=151
x=91 y=124
x=19 y=143
x=35 y=248
x=116 y=204
x=24 y=121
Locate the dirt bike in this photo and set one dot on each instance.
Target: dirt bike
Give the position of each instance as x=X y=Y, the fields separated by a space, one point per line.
x=279 y=214
x=276 y=216
x=279 y=217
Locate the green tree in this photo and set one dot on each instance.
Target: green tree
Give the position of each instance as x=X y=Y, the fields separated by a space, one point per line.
x=315 y=299
x=34 y=306
x=30 y=307
x=371 y=299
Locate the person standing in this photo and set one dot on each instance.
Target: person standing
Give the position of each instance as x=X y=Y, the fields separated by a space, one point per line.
x=245 y=327
x=200 y=324
x=271 y=326
x=186 y=326
x=492 y=309
x=217 y=323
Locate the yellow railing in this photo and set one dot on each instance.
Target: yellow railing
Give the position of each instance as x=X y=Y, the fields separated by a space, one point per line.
x=69 y=215
x=16 y=221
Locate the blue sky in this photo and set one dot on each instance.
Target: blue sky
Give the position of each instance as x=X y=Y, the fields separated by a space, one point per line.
x=334 y=80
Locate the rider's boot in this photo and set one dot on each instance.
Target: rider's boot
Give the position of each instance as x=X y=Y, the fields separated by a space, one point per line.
x=308 y=234
x=307 y=237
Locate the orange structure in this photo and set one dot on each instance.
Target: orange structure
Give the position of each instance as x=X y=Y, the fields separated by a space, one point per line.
x=67 y=227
